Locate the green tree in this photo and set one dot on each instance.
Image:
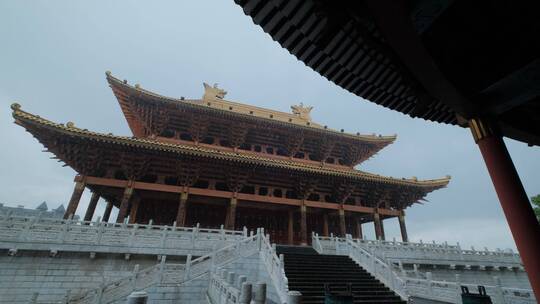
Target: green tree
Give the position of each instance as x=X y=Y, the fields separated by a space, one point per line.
x=536 y=205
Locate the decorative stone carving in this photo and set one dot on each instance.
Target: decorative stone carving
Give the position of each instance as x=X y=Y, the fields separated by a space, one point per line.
x=213 y=92
x=302 y=111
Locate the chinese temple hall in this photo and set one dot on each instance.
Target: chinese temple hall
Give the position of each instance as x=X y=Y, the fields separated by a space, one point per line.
x=216 y=162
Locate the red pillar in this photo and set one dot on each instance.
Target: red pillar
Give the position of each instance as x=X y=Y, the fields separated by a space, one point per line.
x=402 y=227
x=230 y=219
x=358 y=228
x=325 y=225
x=124 y=205
x=107 y=212
x=378 y=226
x=342 y=226
x=91 y=207
x=290 y=228
x=75 y=198
x=303 y=225
x=182 y=209
x=514 y=201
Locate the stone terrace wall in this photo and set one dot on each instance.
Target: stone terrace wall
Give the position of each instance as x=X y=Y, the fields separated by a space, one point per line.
x=51 y=277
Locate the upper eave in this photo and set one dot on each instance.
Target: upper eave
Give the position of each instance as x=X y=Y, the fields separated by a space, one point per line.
x=128 y=90
x=22 y=118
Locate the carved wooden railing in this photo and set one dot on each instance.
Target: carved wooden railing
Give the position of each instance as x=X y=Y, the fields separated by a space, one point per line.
x=73 y=235
x=406 y=287
x=168 y=273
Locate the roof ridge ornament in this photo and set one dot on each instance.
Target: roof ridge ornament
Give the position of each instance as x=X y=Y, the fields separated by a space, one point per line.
x=213 y=92
x=302 y=111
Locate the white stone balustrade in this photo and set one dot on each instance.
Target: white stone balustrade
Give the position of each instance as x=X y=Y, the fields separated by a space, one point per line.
x=412 y=287
x=165 y=273
x=228 y=288
x=275 y=266
x=53 y=234
x=432 y=253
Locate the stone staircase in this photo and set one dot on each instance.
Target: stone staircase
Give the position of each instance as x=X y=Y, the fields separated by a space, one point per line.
x=307 y=272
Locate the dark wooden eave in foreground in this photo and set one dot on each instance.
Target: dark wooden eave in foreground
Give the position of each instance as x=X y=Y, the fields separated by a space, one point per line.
x=443 y=61
x=148 y=113
x=91 y=154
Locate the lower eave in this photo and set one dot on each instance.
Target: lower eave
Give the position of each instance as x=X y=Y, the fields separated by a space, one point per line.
x=23 y=118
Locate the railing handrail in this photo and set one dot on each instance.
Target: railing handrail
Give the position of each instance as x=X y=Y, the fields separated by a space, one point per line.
x=274 y=266
x=160 y=267
x=424 y=287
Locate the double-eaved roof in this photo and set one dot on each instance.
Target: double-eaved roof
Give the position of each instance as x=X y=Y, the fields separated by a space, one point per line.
x=34 y=122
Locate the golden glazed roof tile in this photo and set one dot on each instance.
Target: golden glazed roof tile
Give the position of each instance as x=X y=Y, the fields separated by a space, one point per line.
x=213 y=99
x=22 y=117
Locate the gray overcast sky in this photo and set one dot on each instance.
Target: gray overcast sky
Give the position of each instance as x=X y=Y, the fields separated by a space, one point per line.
x=55 y=53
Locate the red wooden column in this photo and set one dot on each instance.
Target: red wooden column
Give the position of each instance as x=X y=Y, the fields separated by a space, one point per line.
x=107 y=213
x=514 y=201
x=231 y=214
x=124 y=204
x=75 y=198
x=303 y=224
x=182 y=210
x=378 y=226
x=342 y=226
x=136 y=202
x=402 y=227
x=91 y=207
x=290 y=228
x=358 y=228
x=325 y=224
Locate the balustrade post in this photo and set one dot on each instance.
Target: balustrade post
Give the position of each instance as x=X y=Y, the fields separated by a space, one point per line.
x=134 y=277
x=164 y=234
x=188 y=267
x=26 y=230
x=230 y=278
x=498 y=290
x=222 y=232
x=259 y=294
x=245 y=293
x=137 y=297
x=458 y=289
x=162 y=267
x=132 y=234
x=99 y=293
x=244 y=231
x=429 y=282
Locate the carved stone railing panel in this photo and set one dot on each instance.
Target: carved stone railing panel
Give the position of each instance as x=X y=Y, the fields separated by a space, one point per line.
x=420 y=287
x=169 y=273
x=71 y=235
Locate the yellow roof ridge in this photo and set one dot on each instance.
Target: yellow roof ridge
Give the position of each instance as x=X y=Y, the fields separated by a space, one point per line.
x=252 y=111
x=18 y=113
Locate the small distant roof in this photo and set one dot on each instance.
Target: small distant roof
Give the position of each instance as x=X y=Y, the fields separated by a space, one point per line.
x=42 y=207
x=60 y=209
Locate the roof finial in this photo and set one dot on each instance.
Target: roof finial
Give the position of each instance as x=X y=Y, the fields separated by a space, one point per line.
x=15 y=106
x=302 y=111
x=213 y=92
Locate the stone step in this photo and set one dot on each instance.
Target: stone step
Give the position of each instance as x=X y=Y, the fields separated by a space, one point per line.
x=308 y=274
